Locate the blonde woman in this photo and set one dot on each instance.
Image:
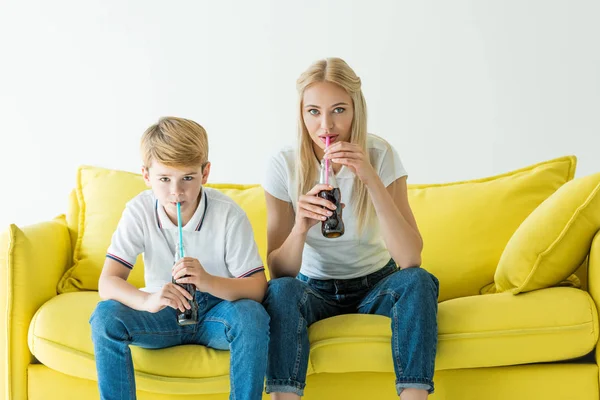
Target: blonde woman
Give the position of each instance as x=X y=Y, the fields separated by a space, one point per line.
x=373 y=268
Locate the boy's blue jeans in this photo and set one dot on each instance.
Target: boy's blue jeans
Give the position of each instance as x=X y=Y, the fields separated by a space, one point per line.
x=408 y=297
x=240 y=326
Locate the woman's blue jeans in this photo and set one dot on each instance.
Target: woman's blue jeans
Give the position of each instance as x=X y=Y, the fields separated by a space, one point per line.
x=408 y=297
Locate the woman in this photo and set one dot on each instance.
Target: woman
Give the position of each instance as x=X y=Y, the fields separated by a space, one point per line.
x=373 y=268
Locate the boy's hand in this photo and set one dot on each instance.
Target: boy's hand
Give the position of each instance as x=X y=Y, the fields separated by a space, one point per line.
x=189 y=270
x=170 y=295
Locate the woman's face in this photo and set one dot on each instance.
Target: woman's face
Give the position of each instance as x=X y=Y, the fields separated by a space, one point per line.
x=327 y=110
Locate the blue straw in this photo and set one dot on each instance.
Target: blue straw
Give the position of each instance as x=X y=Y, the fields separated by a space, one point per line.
x=180 y=230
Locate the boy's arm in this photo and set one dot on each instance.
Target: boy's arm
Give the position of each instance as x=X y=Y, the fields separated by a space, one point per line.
x=113 y=285
x=242 y=260
x=252 y=287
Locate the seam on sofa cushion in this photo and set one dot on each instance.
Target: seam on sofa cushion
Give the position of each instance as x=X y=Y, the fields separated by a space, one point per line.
x=513 y=332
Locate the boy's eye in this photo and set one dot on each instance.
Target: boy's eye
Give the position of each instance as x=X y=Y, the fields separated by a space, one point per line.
x=339 y=110
x=313 y=111
x=164 y=179
x=188 y=178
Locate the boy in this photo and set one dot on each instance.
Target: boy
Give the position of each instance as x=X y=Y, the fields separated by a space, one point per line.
x=221 y=261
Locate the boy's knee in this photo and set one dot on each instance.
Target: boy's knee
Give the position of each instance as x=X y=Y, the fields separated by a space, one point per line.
x=108 y=316
x=252 y=318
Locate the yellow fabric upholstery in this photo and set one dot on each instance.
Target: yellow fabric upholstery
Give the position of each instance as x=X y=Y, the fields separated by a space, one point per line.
x=466 y=225
x=594 y=276
x=473 y=332
x=477 y=331
x=494 y=346
x=525 y=382
x=32 y=260
x=554 y=240
x=101 y=198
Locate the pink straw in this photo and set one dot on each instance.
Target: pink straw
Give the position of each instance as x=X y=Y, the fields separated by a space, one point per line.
x=327 y=138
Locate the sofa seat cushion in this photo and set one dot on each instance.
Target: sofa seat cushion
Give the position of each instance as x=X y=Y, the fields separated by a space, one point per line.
x=60 y=337
x=478 y=331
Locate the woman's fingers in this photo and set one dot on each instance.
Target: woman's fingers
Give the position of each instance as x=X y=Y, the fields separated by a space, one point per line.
x=317 y=189
x=315 y=200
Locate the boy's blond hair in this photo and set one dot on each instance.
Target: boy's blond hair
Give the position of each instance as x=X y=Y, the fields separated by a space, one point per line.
x=175 y=142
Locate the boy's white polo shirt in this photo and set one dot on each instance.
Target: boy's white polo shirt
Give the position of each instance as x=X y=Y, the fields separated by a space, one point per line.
x=219 y=235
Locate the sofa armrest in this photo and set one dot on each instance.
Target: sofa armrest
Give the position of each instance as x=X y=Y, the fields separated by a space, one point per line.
x=594 y=277
x=32 y=261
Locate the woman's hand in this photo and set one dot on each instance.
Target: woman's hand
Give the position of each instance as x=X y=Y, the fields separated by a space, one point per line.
x=354 y=157
x=170 y=295
x=189 y=270
x=312 y=209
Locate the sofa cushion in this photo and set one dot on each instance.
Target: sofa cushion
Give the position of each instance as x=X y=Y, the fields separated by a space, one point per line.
x=477 y=331
x=102 y=195
x=60 y=337
x=554 y=239
x=466 y=225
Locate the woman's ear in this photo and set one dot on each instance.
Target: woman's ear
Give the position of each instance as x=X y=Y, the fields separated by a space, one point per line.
x=205 y=172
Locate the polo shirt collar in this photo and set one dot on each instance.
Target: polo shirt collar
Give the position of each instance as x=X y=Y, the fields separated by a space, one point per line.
x=194 y=224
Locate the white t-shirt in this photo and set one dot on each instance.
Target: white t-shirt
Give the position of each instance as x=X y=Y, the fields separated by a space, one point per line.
x=350 y=255
x=219 y=235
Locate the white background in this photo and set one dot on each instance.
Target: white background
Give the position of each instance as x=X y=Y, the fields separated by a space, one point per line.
x=463 y=89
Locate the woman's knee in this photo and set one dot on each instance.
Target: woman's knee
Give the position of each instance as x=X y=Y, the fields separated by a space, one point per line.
x=417 y=279
x=282 y=292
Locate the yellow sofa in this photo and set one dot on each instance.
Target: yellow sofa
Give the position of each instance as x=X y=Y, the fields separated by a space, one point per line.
x=514 y=322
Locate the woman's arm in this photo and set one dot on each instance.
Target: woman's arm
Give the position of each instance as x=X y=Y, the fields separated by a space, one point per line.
x=398 y=226
x=286 y=230
x=285 y=244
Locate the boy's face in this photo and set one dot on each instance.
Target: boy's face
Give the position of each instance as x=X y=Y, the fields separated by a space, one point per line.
x=176 y=184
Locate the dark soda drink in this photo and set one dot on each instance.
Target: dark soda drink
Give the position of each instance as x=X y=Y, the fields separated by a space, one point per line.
x=189 y=316
x=333 y=226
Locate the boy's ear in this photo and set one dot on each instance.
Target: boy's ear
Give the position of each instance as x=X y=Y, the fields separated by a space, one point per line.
x=146 y=176
x=205 y=172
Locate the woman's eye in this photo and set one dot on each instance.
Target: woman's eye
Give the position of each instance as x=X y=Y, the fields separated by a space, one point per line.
x=339 y=110
x=313 y=111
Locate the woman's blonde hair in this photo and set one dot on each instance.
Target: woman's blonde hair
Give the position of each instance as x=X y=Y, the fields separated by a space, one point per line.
x=175 y=142
x=334 y=70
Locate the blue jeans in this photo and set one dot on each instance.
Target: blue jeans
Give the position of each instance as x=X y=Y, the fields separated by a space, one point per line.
x=408 y=297
x=240 y=326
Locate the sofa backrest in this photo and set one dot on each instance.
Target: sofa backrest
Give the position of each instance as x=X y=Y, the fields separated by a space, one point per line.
x=465 y=225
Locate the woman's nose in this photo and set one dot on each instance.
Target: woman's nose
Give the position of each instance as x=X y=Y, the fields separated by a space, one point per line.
x=326 y=122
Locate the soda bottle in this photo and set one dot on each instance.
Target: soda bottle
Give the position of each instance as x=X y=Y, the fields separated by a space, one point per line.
x=188 y=317
x=333 y=226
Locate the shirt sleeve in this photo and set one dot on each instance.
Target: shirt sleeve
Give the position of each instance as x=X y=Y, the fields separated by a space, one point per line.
x=241 y=253
x=276 y=179
x=128 y=239
x=391 y=167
